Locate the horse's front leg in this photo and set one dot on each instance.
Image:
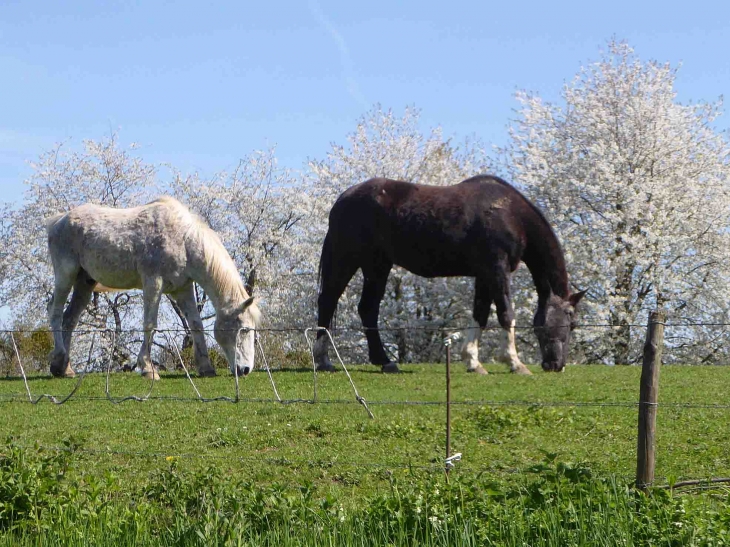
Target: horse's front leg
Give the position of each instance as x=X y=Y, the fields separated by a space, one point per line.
x=186 y=301
x=152 y=293
x=506 y=317
x=509 y=352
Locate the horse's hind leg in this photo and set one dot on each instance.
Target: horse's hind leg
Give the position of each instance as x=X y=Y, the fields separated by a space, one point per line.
x=64 y=324
x=59 y=355
x=375 y=275
x=335 y=274
x=482 y=305
x=83 y=289
x=186 y=301
x=152 y=293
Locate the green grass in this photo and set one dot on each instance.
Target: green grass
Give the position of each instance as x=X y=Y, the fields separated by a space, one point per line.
x=332 y=471
x=317 y=442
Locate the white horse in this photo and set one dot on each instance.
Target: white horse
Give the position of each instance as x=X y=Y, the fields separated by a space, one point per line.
x=160 y=248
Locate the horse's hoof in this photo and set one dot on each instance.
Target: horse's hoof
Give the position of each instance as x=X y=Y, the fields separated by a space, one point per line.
x=65 y=372
x=207 y=373
x=326 y=367
x=478 y=370
x=60 y=366
x=68 y=372
x=523 y=370
x=390 y=368
x=151 y=375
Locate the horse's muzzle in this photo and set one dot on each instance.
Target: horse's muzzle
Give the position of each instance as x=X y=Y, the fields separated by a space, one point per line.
x=552 y=366
x=245 y=370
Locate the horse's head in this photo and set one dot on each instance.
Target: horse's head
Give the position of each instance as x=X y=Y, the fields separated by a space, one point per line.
x=553 y=324
x=235 y=333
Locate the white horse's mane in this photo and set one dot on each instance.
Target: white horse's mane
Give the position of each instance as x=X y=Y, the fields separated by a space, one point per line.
x=218 y=263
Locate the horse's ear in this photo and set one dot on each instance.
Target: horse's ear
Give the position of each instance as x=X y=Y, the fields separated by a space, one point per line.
x=576 y=297
x=245 y=305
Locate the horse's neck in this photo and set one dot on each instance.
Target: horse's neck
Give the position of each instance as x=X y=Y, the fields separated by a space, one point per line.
x=224 y=289
x=546 y=262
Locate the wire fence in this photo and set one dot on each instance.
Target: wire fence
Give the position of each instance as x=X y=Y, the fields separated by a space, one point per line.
x=445 y=329
x=688 y=341
x=13 y=398
x=305 y=331
x=19 y=398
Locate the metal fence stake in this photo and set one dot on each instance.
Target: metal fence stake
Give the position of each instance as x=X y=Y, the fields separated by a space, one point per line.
x=447 y=342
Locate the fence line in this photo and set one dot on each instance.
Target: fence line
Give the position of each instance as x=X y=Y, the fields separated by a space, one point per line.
x=647 y=404
x=360 y=328
x=17 y=398
x=358 y=399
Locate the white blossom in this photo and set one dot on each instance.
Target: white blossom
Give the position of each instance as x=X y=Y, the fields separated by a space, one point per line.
x=636 y=185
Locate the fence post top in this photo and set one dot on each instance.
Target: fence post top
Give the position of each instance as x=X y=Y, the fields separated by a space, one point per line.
x=657 y=316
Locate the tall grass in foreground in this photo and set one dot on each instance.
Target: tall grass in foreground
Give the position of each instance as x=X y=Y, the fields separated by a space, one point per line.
x=45 y=500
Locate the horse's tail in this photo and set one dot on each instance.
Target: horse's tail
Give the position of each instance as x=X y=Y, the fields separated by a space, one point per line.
x=53 y=220
x=325 y=260
x=325 y=264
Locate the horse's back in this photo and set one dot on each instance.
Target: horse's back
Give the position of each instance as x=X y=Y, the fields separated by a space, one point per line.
x=484 y=200
x=115 y=245
x=431 y=230
x=92 y=220
x=390 y=194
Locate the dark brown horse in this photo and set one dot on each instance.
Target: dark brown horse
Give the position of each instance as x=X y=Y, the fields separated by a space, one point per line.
x=481 y=228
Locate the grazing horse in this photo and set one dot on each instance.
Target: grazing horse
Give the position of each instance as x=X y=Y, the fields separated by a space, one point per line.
x=481 y=228
x=160 y=248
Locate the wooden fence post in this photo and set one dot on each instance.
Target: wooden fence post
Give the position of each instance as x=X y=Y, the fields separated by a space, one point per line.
x=648 y=395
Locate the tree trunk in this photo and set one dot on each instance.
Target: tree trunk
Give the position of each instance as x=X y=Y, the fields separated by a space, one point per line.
x=251 y=281
x=120 y=353
x=621 y=340
x=621 y=329
x=187 y=339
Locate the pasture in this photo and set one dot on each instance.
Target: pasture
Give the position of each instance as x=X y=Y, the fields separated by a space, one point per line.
x=576 y=430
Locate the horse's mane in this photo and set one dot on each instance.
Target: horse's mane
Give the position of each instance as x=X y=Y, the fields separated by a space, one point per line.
x=557 y=250
x=529 y=203
x=218 y=263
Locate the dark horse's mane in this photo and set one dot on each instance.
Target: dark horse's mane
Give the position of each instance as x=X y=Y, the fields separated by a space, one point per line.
x=532 y=206
x=554 y=250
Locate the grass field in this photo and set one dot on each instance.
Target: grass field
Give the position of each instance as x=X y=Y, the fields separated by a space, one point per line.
x=576 y=428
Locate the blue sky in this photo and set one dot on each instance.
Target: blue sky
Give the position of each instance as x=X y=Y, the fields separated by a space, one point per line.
x=200 y=85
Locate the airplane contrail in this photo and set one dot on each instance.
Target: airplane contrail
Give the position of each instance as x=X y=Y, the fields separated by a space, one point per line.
x=351 y=84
